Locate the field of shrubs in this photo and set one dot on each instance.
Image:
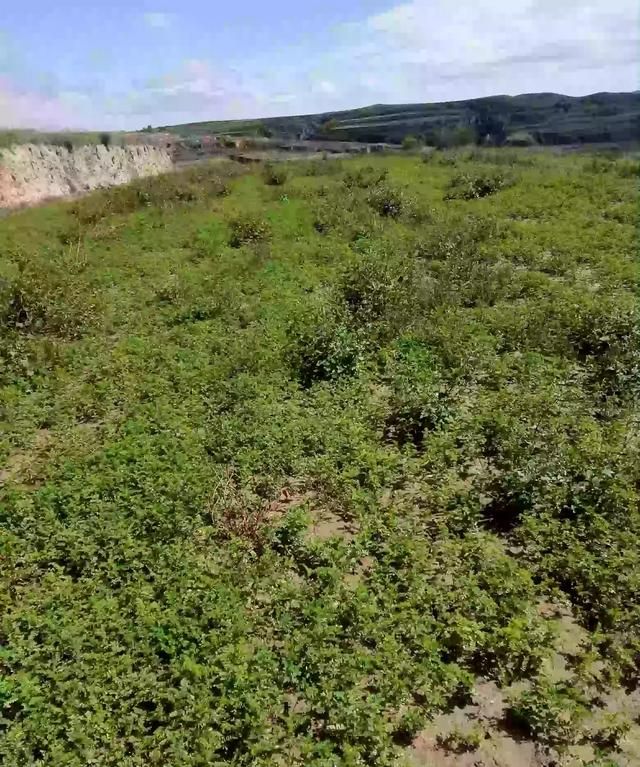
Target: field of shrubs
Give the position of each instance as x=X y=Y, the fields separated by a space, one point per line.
x=295 y=460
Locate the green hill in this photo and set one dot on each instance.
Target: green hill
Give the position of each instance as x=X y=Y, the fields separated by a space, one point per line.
x=548 y=118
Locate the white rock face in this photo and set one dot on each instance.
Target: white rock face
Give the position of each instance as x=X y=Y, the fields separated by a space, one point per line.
x=30 y=173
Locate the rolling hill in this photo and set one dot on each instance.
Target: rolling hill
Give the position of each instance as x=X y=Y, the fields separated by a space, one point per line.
x=543 y=118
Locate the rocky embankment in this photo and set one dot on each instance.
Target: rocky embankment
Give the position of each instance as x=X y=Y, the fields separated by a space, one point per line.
x=32 y=173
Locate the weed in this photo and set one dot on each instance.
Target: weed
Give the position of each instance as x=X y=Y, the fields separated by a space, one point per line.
x=461 y=741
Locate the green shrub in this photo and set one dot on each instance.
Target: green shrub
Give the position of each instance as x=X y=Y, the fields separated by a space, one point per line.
x=389 y=201
x=275 y=175
x=248 y=229
x=379 y=292
x=461 y=741
x=410 y=143
x=257 y=510
x=322 y=347
x=418 y=401
x=46 y=302
x=551 y=712
x=197 y=185
x=471 y=187
x=365 y=177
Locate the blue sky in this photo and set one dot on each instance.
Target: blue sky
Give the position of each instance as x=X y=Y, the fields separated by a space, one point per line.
x=126 y=64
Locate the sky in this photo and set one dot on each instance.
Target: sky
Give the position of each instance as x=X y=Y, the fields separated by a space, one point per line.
x=125 y=64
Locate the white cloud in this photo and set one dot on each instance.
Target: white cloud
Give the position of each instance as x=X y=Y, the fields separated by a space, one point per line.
x=158 y=20
x=326 y=87
x=416 y=51
x=436 y=49
x=20 y=108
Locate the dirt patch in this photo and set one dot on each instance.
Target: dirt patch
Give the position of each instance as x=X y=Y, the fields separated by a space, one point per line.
x=22 y=466
x=482 y=735
x=473 y=736
x=494 y=751
x=289 y=498
x=324 y=523
x=327 y=524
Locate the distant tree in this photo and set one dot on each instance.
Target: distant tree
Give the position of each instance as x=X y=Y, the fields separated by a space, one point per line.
x=488 y=127
x=263 y=131
x=328 y=126
x=463 y=135
x=520 y=138
x=447 y=138
x=410 y=142
x=105 y=139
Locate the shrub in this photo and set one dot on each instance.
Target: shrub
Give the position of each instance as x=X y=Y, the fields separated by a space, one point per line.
x=247 y=229
x=389 y=201
x=461 y=741
x=418 y=400
x=551 y=712
x=195 y=185
x=628 y=167
x=379 y=290
x=46 y=302
x=362 y=178
x=326 y=218
x=327 y=166
x=275 y=175
x=410 y=143
x=322 y=347
x=471 y=187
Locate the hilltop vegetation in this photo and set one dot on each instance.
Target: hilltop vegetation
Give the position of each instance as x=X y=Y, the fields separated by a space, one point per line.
x=69 y=139
x=534 y=118
x=295 y=457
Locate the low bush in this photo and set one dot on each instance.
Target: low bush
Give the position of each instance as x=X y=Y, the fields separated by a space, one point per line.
x=248 y=229
x=465 y=186
x=364 y=178
x=291 y=501
x=379 y=291
x=553 y=713
x=323 y=347
x=48 y=302
x=194 y=186
x=389 y=201
x=275 y=175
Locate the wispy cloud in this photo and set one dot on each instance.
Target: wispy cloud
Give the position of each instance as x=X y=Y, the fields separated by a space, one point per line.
x=22 y=108
x=513 y=45
x=418 y=50
x=326 y=87
x=158 y=20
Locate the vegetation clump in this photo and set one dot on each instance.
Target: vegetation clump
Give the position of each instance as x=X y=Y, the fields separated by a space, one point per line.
x=471 y=187
x=246 y=229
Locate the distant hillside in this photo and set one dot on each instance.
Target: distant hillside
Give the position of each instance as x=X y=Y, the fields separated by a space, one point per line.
x=542 y=118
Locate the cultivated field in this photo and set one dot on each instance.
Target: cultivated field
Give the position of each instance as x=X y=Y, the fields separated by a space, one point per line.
x=324 y=463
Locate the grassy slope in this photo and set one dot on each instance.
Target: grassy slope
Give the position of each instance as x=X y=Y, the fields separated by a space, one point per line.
x=452 y=386
x=552 y=118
